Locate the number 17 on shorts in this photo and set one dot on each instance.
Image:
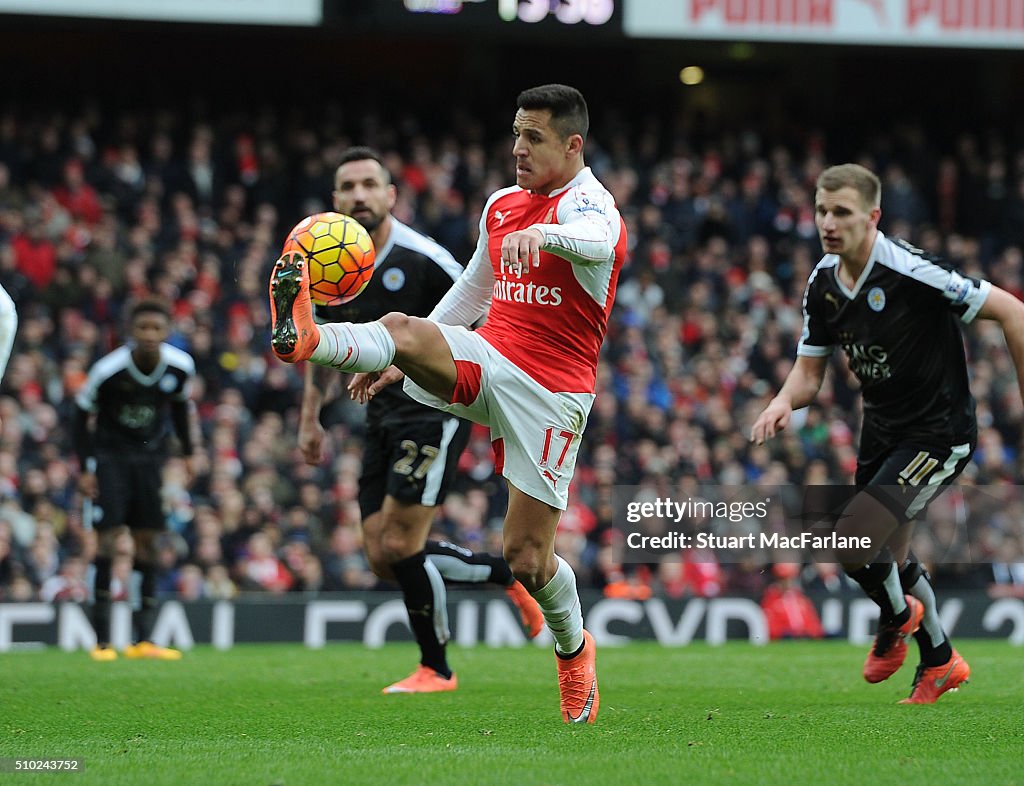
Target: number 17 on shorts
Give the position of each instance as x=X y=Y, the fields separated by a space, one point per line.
x=559 y=444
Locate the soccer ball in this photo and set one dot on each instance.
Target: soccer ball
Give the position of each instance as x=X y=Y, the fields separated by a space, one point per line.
x=339 y=254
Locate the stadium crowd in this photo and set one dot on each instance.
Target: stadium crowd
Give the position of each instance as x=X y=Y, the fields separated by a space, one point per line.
x=99 y=207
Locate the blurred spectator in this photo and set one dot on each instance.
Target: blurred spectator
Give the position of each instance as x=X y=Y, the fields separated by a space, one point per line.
x=260 y=569
x=67 y=585
x=788 y=612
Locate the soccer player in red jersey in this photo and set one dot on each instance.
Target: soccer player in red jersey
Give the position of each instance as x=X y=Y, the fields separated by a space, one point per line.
x=411 y=449
x=546 y=265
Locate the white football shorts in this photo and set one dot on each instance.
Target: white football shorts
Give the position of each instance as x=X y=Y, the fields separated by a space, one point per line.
x=535 y=432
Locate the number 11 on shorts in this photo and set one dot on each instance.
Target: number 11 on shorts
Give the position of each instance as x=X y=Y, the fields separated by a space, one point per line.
x=550 y=435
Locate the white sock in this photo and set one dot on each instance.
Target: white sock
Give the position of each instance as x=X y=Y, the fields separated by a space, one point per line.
x=560 y=603
x=349 y=346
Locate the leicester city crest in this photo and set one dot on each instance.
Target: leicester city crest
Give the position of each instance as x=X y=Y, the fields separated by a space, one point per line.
x=393 y=279
x=876 y=299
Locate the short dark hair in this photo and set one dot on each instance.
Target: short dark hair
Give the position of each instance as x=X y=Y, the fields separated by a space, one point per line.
x=364 y=153
x=567 y=106
x=861 y=179
x=150 y=305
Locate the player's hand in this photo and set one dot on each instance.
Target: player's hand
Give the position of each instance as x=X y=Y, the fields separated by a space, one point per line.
x=365 y=386
x=88 y=485
x=311 y=442
x=773 y=420
x=359 y=386
x=520 y=250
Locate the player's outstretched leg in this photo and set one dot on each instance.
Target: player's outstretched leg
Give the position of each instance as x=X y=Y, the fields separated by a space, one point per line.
x=294 y=334
x=459 y=564
x=930 y=682
x=890 y=647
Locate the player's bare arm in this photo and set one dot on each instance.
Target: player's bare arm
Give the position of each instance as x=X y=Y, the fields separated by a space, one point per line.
x=1008 y=311
x=801 y=386
x=318 y=385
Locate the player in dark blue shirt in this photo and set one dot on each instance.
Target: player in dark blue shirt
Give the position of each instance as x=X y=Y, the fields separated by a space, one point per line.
x=124 y=417
x=896 y=313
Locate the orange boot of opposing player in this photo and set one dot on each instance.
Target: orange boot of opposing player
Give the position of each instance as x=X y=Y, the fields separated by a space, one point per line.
x=424 y=680
x=529 y=611
x=147 y=650
x=930 y=682
x=294 y=335
x=577 y=684
x=890 y=648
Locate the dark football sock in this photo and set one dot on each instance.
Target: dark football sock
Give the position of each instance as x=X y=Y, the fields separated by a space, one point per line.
x=455 y=563
x=424 y=601
x=146 y=615
x=931 y=638
x=101 y=602
x=880 y=582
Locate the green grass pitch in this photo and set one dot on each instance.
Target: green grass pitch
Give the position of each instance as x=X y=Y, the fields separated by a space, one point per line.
x=281 y=714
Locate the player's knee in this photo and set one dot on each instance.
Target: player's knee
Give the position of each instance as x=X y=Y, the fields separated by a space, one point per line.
x=402 y=330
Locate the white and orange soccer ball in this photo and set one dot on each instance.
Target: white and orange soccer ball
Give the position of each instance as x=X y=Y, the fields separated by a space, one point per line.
x=339 y=254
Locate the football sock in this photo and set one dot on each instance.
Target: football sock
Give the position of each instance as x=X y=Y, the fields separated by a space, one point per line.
x=560 y=603
x=101 y=601
x=455 y=563
x=146 y=615
x=354 y=347
x=931 y=638
x=881 y=582
x=424 y=595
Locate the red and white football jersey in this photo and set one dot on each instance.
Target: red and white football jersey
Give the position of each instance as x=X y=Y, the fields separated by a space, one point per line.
x=550 y=321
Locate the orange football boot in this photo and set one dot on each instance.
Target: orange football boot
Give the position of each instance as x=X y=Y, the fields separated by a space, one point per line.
x=423 y=680
x=103 y=653
x=932 y=681
x=150 y=651
x=890 y=647
x=294 y=335
x=577 y=684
